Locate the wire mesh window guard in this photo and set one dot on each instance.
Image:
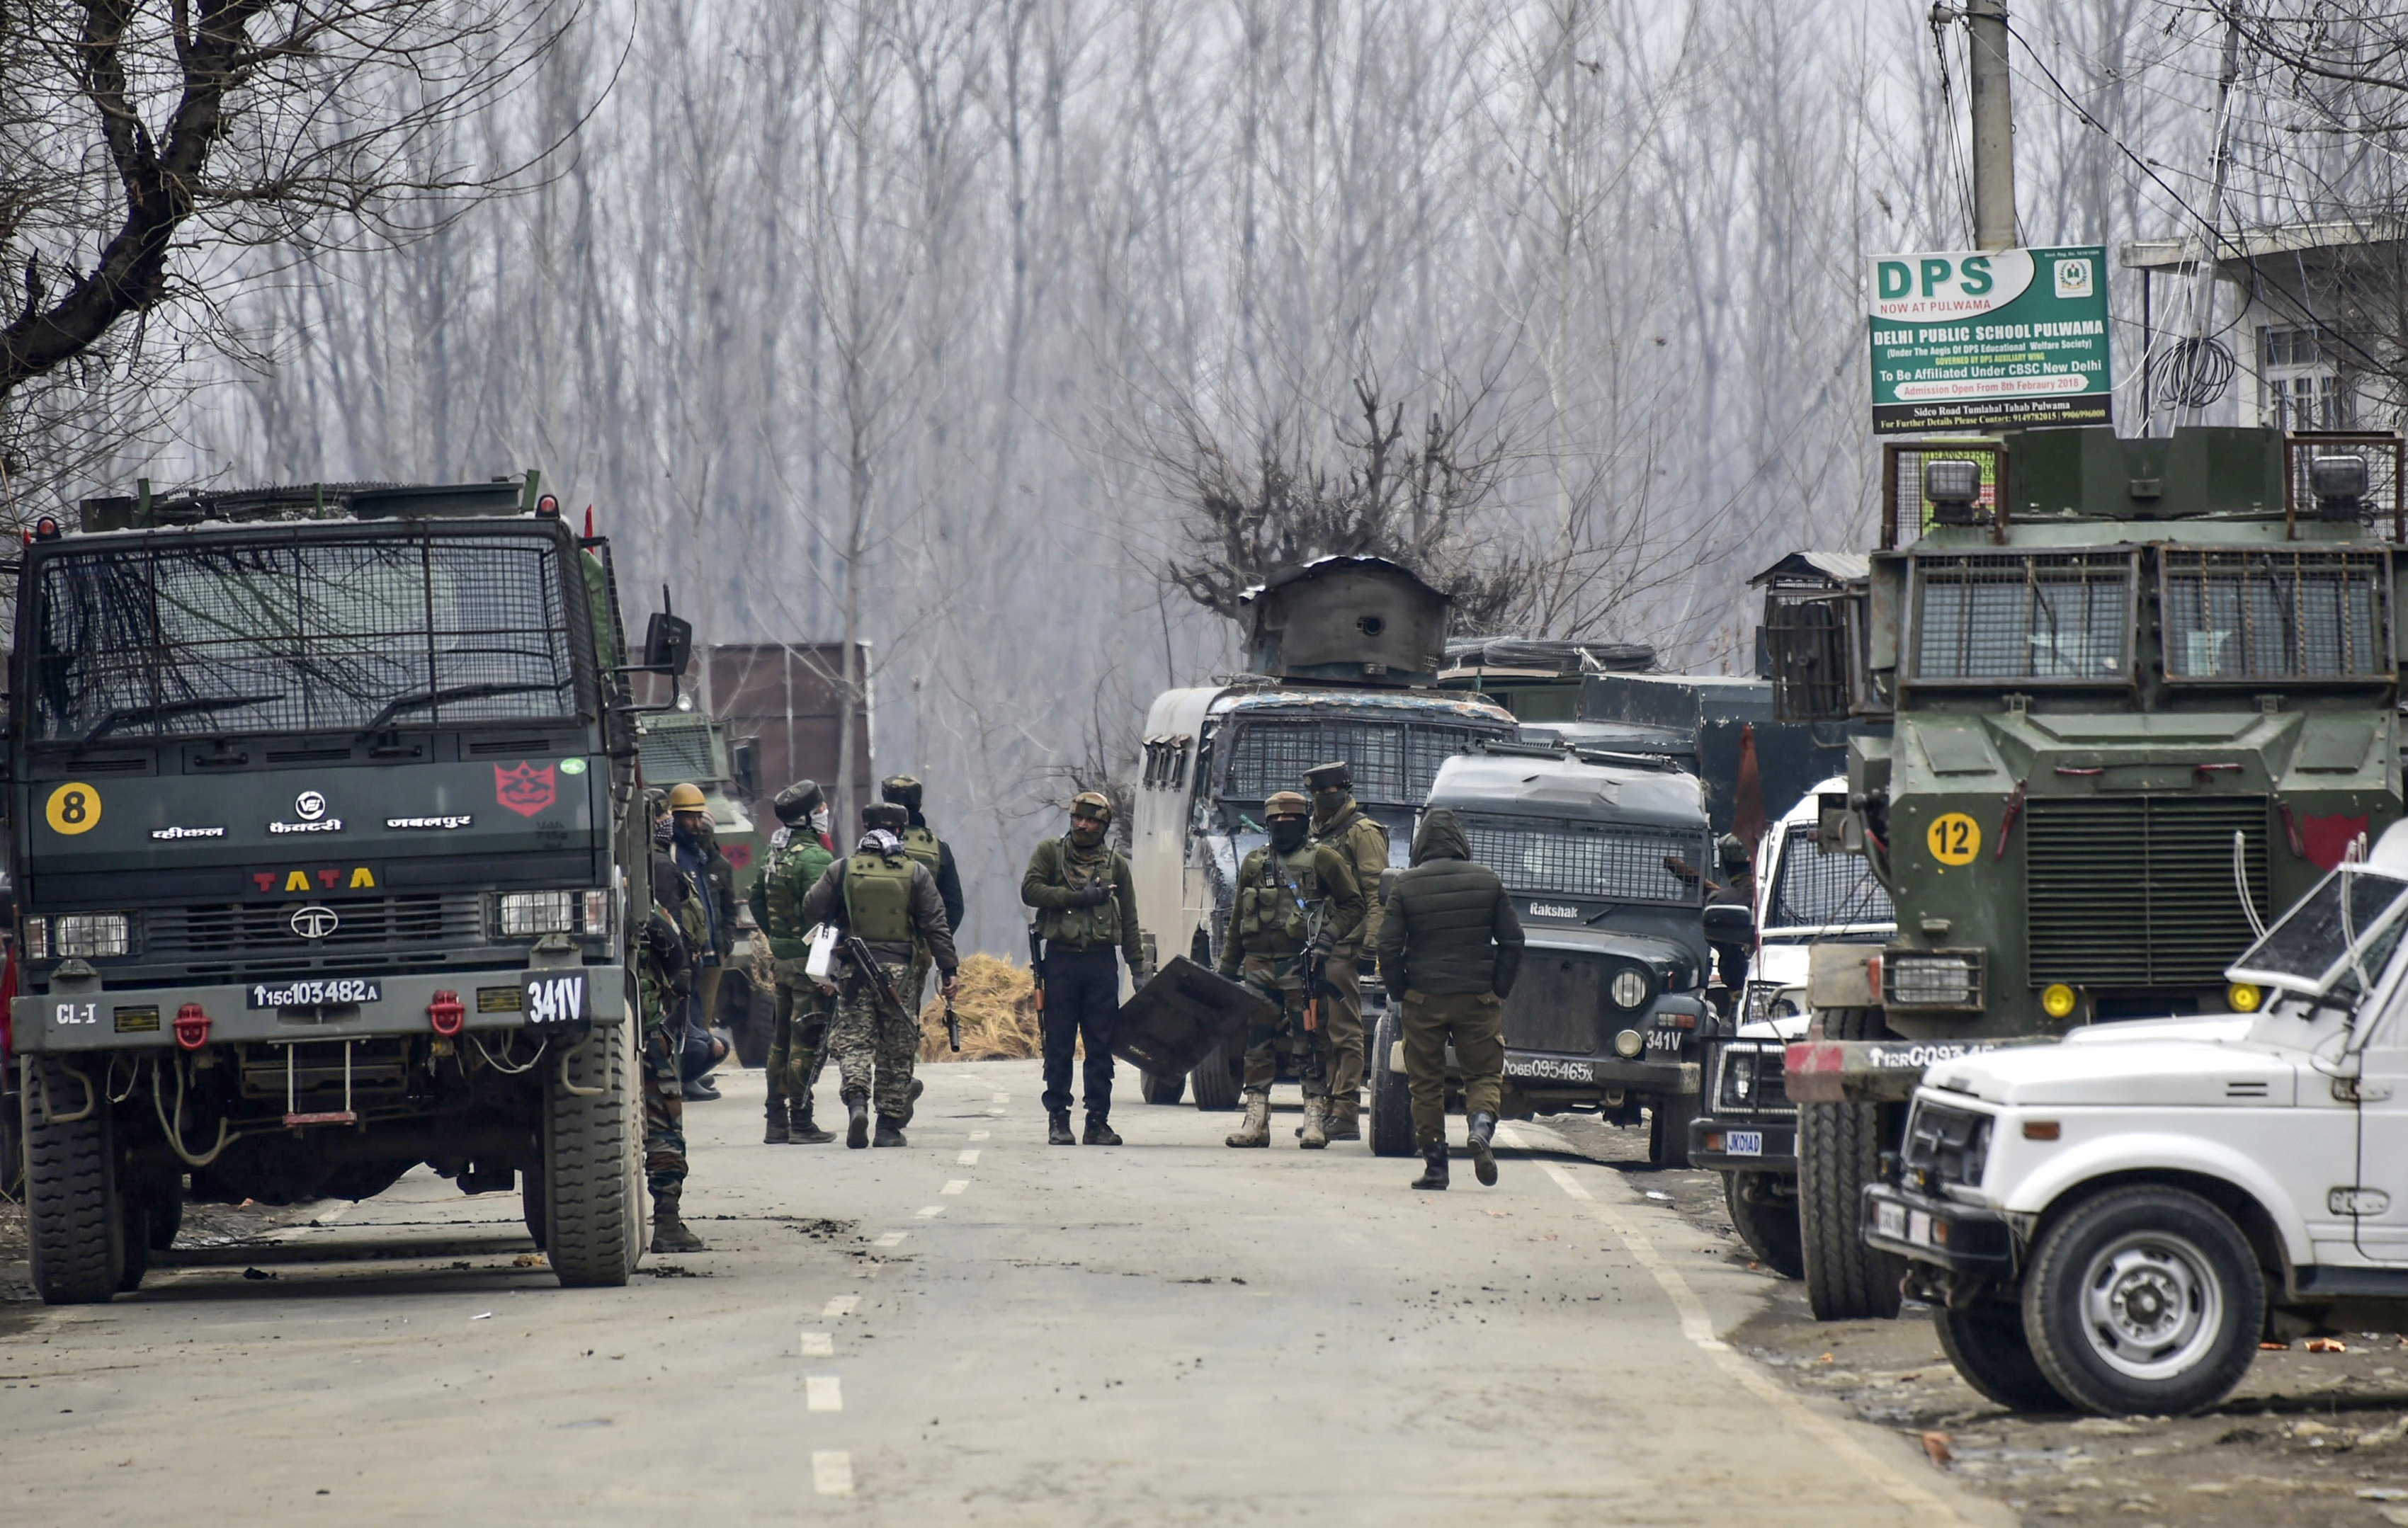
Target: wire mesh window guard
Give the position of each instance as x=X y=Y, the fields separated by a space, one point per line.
x=2281 y=614
x=1394 y=763
x=1990 y=615
x=1825 y=891
x=671 y=754
x=1564 y=858
x=179 y=640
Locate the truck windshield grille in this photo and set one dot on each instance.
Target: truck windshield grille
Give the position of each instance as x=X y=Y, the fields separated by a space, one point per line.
x=1589 y=858
x=171 y=640
x=2012 y=616
x=1825 y=891
x=1394 y=761
x=2136 y=892
x=2275 y=615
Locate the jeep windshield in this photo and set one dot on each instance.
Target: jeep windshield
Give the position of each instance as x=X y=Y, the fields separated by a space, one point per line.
x=179 y=637
x=2335 y=942
x=1816 y=894
x=1563 y=857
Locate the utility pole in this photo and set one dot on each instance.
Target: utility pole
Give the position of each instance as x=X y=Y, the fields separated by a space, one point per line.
x=1994 y=126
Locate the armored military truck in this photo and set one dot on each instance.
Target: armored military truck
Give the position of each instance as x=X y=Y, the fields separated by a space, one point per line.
x=1605 y=857
x=1345 y=652
x=2144 y=694
x=322 y=808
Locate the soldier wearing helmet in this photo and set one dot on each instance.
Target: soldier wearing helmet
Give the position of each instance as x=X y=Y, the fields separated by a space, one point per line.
x=1339 y=822
x=1085 y=901
x=693 y=848
x=921 y=842
x=799 y=854
x=1297 y=901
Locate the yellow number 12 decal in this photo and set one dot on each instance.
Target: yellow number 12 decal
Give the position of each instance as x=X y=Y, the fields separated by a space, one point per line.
x=1955 y=838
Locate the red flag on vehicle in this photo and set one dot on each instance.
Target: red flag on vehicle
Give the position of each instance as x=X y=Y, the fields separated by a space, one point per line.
x=1747 y=795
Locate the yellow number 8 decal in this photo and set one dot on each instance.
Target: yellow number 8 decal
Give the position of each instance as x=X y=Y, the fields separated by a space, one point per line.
x=75 y=808
x=1955 y=838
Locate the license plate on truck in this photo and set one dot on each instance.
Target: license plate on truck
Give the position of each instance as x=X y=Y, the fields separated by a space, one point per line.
x=1889 y=1219
x=311 y=994
x=1744 y=1143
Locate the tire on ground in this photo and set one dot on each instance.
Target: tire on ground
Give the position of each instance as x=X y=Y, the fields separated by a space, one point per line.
x=2143 y=1301
x=1767 y=1222
x=1161 y=1090
x=1985 y=1342
x=1838 y=1152
x=1217 y=1076
x=1391 y=1125
x=593 y=1152
x=75 y=1221
x=1668 y=1128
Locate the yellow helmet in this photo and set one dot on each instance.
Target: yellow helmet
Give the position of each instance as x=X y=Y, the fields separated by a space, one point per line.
x=685 y=796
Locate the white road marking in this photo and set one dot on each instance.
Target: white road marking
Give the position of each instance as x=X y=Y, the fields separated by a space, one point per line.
x=891 y=1238
x=980 y=1135
x=1003 y=1098
x=969 y=1159
x=1699 y=1327
x=823 y=1392
x=929 y=1212
x=843 y=1305
x=831 y=1472
x=997 y=1111
x=957 y=1185
x=818 y=1345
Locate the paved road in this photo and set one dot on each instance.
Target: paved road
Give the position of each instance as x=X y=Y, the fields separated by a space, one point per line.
x=975 y=1329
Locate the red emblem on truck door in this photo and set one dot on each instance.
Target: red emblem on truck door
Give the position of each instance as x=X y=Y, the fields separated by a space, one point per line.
x=524 y=790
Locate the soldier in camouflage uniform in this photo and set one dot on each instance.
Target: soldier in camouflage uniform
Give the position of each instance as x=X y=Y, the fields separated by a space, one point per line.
x=1345 y=827
x=887 y=899
x=921 y=842
x=1296 y=900
x=798 y=856
x=664 y=984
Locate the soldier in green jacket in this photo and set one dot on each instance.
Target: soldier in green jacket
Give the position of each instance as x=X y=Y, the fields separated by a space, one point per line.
x=798 y=856
x=1344 y=826
x=1297 y=901
x=1087 y=907
x=921 y=842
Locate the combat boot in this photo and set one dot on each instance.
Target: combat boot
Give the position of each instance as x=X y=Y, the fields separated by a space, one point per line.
x=1256 y=1131
x=1099 y=1132
x=669 y=1234
x=856 y=1131
x=890 y=1132
x=777 y=1133
x=1057 y=1128
x=1484 y=1161
x=912 y=1102
x=1345 y=1118
x=801 y=1132
x=1316 y=1133
x=1433 y=1169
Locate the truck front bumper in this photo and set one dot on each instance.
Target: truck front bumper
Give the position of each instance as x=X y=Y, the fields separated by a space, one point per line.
x=1735 y=1144
x=1941 y=1232
x=145 y=1017
x=1546 y=1073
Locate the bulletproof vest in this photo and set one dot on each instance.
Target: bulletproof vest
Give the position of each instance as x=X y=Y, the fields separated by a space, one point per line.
x=1085 y=928
x=878 y=898
x=924 y=846
x=1268 y=916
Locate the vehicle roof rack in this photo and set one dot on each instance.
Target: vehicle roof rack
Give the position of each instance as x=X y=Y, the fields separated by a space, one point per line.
x=1559 y=750
x=143 y=510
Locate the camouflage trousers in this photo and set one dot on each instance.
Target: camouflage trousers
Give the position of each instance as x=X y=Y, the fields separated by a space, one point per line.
x=663 y=1108
x=799 y=1040
x=1282 y=980
x=874 y=1047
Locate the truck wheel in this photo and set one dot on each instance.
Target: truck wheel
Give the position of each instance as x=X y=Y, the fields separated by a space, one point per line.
x=593 y=1154
x=1217 y=1076
x=1391 y=1095
x=74 y=1217
x=1767 y=1221
x=1161 y=1090
x=2145 y=1301
x=531 y=1206
x=1985 y=1341
x=1668 y=1129
x=1838 y=1152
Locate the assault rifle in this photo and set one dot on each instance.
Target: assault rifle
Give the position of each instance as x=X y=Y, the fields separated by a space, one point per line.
x=1316 y=965
x=874 y=974
x=1037 y=968
x=953 y=1025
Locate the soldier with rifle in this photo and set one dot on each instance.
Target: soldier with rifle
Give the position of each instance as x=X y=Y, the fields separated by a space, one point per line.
x=921 y=842
x=1085 y=900
x=799 y=854
x=1339 y=822
x=1295 y=902
x=884 y=905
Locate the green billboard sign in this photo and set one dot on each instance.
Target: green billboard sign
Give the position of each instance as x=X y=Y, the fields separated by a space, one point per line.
x=1967 y=339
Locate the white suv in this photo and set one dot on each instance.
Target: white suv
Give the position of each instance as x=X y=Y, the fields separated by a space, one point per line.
x=2115 y=1219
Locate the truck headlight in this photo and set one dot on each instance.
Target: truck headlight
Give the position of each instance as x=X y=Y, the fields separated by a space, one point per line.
x=1628 y=988
x=524 y=915
x=1951 y=980
x=79 y=935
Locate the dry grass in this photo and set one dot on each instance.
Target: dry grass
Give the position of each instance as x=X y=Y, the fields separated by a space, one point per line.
x=997 y=1004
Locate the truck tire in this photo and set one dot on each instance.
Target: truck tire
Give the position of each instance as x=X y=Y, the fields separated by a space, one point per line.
x=1985 y=1342
x=1161 y=1090
x=75 y=1221
x=1767 y=1222
x=2144 y=1301
x=1838 y=1152
x=593 y=1160
x=1668 y=1128
x=1391 y=1123
x=1217 y=1076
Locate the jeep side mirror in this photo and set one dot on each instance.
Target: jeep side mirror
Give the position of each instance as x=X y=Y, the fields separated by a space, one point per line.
x=1728 y=923
x=745 y=758
x=668 y=643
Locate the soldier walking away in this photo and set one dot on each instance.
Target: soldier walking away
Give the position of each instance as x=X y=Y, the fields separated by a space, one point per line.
x=1344 y=826
x=1449 y=943
x=1086 y=907
x=694 y=845
x=664 y=983
x=921 y=842
x=1297 y=902
x=799 y=854
x=888 y=901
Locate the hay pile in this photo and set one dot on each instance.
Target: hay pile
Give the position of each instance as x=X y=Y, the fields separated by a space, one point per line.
x=997 y=1004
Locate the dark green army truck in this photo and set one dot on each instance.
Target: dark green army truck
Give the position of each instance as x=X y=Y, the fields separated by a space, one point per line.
x=322 y=814
x=2143 y=695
